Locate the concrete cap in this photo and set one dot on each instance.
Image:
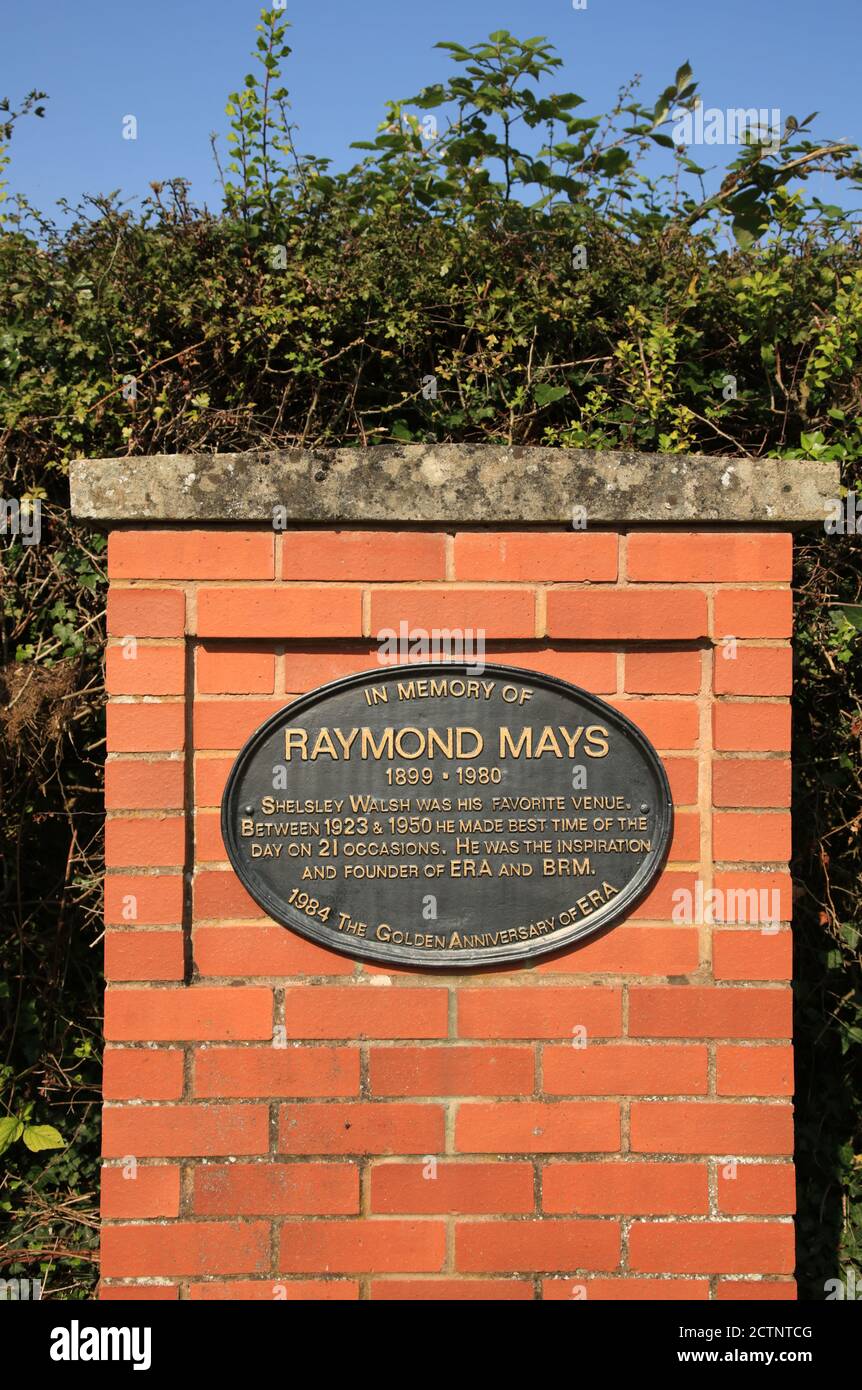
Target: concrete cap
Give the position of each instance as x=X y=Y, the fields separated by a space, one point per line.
x=466 y=484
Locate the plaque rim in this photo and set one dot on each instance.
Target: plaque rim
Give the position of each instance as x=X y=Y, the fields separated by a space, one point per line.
x=635 y=890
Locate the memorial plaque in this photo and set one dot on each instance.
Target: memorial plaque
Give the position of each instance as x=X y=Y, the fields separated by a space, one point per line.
x=441 y=816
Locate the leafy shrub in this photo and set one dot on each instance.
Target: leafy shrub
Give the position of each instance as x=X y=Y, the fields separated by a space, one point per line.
x=556 y=295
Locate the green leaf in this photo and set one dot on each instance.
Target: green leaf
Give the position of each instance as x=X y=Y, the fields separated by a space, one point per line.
x=613 y=161
x=747 y=228
x=543 y=394
x=10 y=1130
x=853 y=613
x=39 y=1137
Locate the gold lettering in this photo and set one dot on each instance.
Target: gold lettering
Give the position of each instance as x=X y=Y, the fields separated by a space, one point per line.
x=463 y=752
x=507 y=744
x=548 y=743
x=323 y=744
x=297 y=737
x=376 y=751
x=346 y=743
x=600 y=744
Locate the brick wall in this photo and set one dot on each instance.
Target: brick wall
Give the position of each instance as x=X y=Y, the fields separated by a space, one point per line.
x=273 y=1110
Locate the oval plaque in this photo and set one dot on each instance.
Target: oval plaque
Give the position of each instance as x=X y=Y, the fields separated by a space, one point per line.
x=427 y=815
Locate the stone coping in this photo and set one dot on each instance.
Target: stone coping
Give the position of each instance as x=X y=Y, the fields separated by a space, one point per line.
x=465 y=484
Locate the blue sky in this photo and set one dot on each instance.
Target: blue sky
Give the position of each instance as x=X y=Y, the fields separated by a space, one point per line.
x=171 y=64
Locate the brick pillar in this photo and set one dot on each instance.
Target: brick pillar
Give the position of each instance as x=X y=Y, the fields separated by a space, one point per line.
x=274 y=1111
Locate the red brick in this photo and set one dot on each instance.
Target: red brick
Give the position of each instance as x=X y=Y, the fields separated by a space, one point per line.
x=452 y=1290
x=131 y=1073
x=220 y=896
x=277 y=1291
x=709 y=557
x=752 y=955
x=498 y=613
x=151 y=1192
x=150 y=671
x=663 y=673
x=271 y=1072
x=685 y=842
x=451 y=1071
x=711 y=1127
x=747 y=613
x=626 y=614
x=528 y=556
x=146 y=728
x=624 y=1290
x=625 y=1189
x=743 y=897
x=357 y=1247
x=215 y=553
x=624 y=1069
x=757 y=1189
x=682 y=773
x=742 y=836
x=185 y=1247
x=666 y=723
x=383 y=556
x=659 y=903
x=193 y=1015
x=754 y=1071
x=691 y=1011
x=541 y=1011
x=310 y=667
x=134 y=785
x=712 y=1247
x=211 y=775
x=361 y=1128
x=631 y=951
x=538 y=1127
x=146 y=612
x=144 y=955
x=295 y=611
x=756 y=1291
x=276 y=1189
x=594 y=670
x=228 y=723
x=138 y=1293
x=143 y=900
x=209 y=845
x=521 y=1246
x=363 y=1011
x=474 y=1188
x=751 y=782
x=174 y=1131
x=241 y=670
x=265 y=950
x=152 y=842
x=754 y=671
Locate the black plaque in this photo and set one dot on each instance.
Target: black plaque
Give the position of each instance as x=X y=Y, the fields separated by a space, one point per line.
x=431 y=816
